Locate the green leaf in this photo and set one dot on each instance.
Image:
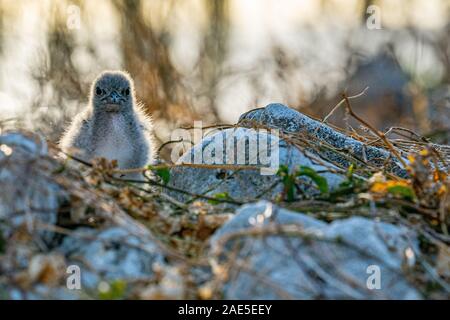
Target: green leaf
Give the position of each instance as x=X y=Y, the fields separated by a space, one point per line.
x=220 y=196
x=320 y=181
x=288 y=182
x=402 y=191
x=115 y=290
x=163 y=173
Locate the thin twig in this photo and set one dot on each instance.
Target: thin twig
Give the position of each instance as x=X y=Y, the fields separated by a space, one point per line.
x=341 y=102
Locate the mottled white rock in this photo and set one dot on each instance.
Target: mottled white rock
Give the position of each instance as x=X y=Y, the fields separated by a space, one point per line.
x=326 y=261
x=111 y=254
x=277 y=115
x=28 y=194
x=246 y=185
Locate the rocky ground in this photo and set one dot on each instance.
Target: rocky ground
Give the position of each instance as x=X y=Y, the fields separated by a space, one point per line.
x=342 y=217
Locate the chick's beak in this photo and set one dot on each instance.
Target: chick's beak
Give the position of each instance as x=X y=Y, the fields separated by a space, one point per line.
x=115 y=98
x=113 y=102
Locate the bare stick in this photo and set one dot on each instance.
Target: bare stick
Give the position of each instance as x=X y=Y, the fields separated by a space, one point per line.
x=341 y=102
x=378 y=133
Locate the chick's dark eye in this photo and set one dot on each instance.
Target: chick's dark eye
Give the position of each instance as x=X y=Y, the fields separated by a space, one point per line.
x=98 y=91
x=127 y=91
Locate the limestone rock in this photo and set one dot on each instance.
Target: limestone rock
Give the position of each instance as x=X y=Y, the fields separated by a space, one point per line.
x=28 y=194
x=279 y=116
x=225 y=147
x=312 y=259
x=111 y=254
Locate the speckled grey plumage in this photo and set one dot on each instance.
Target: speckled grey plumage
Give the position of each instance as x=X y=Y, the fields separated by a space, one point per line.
x=118 y=131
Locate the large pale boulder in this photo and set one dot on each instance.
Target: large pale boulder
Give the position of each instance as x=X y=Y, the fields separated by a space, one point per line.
x=258 y=156
x=277 y=115
x=272 y=253
x=28 y=194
